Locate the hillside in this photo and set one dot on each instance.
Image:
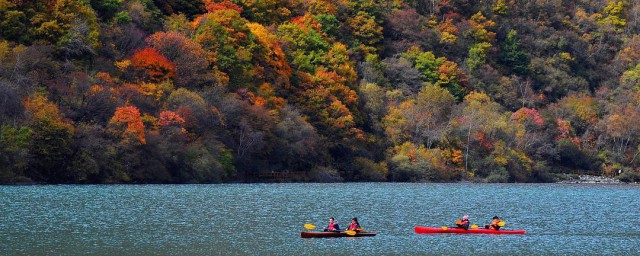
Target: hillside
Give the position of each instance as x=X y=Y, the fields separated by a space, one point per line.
x=207 y=91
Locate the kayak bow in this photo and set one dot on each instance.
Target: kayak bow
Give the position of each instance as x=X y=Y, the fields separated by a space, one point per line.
x=455 y=230
x=312 y=234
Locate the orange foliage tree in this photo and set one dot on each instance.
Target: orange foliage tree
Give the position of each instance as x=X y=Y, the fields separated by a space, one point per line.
x=170 y=118
x=128 y=123
x=171 y=122
x=480 y=25
x=326 y=100
x=276 y=67
x=622 y=128
x=448 y=31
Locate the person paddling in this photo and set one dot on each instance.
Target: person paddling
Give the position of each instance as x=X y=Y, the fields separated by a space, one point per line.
x=355 y=226
x=495 y=223
x=464 y=223
x=333 y=226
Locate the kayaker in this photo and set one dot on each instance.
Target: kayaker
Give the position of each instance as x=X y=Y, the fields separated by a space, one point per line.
x=333 y=226
x=355 y=226
x=464 y=223
x=495 y=223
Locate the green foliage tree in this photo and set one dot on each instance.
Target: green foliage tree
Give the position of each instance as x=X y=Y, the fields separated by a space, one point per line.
x=369 y=170
x=374 y=102
x=14 y=145
x=190 y=8
x=305 y=45
x=106 y=9
x=50 y=142
x=409 y=162
x=500 y=7
x=513 y=56
x=613 y=13
x=194 y=110
x=330 y=25
x=478 y=55
x=230 y=45
x=365 y=31
x=438 y=71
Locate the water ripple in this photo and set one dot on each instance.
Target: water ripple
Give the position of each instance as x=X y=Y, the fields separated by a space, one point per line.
x=266 y=219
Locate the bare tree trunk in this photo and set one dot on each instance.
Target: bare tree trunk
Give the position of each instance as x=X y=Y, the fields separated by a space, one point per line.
x=466 y=154
x=466 y=157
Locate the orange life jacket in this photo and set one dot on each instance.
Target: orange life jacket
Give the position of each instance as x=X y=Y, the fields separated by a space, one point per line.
x=494 y=224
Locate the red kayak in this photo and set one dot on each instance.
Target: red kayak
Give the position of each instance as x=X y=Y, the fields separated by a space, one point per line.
x=311 y=234
x=451 y=230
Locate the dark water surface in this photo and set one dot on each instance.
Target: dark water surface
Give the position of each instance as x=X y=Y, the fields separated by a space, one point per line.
x=266 y=219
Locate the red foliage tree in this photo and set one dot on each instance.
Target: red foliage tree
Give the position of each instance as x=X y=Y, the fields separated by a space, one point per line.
x=528 y=116
x=564 y=128
x=213 y=6
x=153 y=65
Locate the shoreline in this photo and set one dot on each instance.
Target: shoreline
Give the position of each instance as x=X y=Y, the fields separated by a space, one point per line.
x=591 y=179
x=559 y=179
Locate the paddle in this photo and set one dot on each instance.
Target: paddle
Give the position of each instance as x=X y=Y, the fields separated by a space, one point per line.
x=444 y=228
x=309 y=226
x=501 y=224
x=350 y=232
x=474 y=226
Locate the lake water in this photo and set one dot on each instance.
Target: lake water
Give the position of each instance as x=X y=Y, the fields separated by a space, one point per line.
x=266 y=219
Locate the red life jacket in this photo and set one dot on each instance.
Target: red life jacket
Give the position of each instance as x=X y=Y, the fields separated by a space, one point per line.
x=353 y=226
x=332 y=226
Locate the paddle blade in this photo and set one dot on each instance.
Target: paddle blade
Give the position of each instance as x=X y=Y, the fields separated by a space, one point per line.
x=474 y=226
x=501 y=224
x=350 y=232
x=458 y=222
x=309 y=226
x=444 y=228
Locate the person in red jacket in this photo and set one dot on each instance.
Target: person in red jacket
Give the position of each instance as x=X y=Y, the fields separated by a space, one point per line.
x=464 y=223
x=333 y=226
x=355 y=226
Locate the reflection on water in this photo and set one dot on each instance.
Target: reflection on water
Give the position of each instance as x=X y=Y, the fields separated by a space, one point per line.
x=266 y=219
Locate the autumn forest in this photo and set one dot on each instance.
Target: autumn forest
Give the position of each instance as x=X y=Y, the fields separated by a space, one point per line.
x=209 y=91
